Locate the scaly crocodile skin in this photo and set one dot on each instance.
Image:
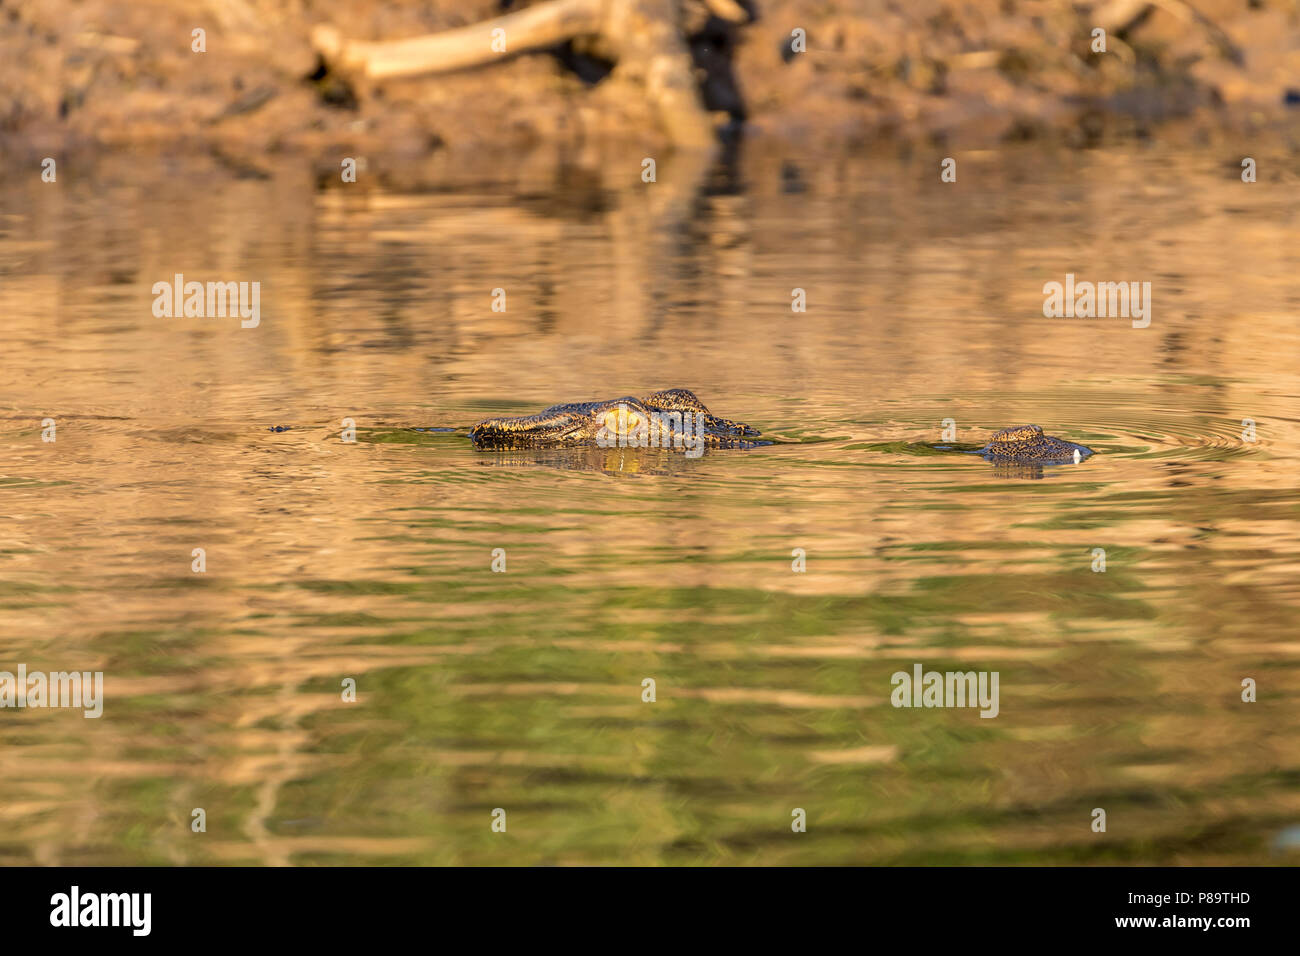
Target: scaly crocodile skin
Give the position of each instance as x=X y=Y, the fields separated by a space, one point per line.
x=1028 y=444
x=579 y=423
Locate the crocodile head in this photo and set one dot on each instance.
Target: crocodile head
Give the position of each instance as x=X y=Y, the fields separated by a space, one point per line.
x=573 y=424
x=1028 y=443
x=670 y=418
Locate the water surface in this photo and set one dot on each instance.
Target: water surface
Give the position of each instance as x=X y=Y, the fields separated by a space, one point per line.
x=522 y=690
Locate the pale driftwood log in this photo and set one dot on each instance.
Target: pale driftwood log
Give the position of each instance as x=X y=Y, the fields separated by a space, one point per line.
x=1117 y=16
x=645 y=35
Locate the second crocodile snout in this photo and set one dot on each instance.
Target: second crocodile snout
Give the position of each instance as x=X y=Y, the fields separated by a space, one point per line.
x=1027 y=444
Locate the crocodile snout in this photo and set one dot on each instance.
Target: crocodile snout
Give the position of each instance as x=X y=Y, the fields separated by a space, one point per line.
x=1030 y=445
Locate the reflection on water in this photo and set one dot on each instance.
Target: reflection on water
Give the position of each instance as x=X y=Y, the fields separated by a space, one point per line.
x=522 y=689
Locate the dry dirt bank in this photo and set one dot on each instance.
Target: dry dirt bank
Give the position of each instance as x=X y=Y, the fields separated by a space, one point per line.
x=123 y=72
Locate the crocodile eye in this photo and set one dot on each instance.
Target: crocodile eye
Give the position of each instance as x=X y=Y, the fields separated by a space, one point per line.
x=633 y=420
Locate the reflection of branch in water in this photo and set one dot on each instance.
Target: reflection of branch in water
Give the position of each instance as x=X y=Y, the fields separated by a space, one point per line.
x=289 y=742
x=650 y=230
x=657 y=237
x=288 y=665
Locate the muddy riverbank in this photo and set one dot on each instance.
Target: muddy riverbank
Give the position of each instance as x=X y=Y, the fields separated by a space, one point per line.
x=113 y=72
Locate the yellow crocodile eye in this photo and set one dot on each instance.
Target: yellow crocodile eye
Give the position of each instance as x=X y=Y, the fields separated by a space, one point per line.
x=633 y=421
x=611 y=421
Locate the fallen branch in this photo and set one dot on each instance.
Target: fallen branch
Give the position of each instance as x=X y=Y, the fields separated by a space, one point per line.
x=646 y=36
x=1119 y=16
